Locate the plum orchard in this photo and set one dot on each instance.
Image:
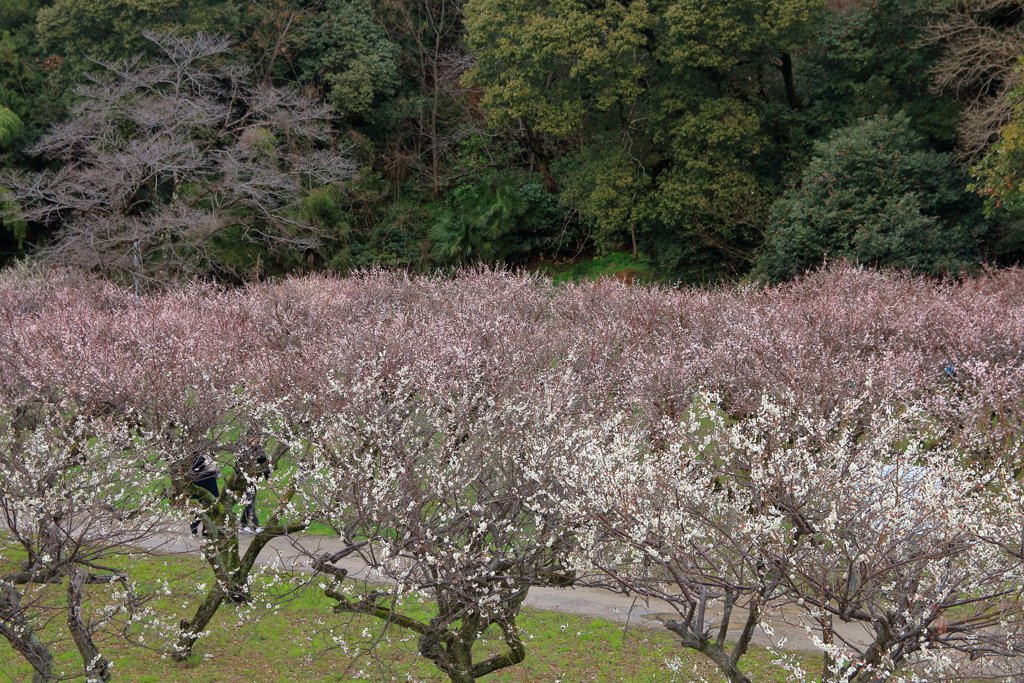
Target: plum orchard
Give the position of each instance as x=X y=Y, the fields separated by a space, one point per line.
x=845 y=448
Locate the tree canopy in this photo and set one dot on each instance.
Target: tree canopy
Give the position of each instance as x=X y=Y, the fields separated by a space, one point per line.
x=668 y=130
x=874 y=194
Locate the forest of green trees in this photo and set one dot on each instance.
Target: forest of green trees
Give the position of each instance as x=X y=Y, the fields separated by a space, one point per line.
x=710 y=139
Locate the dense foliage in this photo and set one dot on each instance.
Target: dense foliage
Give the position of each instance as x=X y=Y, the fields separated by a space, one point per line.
x=1001 y=172
x=514 y=131
x=872 y=193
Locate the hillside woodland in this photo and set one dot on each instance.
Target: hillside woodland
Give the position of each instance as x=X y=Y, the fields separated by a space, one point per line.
x=155 y=140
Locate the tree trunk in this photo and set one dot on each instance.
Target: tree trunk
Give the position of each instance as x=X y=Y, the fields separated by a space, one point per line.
x=97 y=667
x=452 y=650
x=709 y=649
x=222 y=555
x=829 y=667
x=544 y=165
x=696 y=639
x=786 y=67
x=191 y=630
x=19 y=632
x=231 y=575
x=542 y=160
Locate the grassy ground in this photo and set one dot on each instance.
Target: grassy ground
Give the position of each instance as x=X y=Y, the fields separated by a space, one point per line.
x=301 y=643
x=620 y=265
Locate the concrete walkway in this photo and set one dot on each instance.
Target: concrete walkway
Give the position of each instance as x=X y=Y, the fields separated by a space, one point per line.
x=293 y=554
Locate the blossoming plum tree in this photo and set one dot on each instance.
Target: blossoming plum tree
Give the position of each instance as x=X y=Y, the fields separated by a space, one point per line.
x=433 y=488
x=892 y=555
x=75 y=498
x=464 y=436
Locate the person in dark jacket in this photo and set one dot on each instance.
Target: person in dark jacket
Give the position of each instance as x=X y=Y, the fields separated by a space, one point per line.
x=254 y=460
x=204 y=475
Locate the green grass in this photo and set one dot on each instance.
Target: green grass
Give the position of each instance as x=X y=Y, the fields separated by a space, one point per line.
x=619 y=265
x=293 y=644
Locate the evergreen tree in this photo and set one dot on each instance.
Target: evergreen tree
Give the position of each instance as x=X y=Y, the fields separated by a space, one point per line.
x=874 y=193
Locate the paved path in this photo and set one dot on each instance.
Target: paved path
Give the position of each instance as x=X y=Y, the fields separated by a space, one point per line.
x=293 y=553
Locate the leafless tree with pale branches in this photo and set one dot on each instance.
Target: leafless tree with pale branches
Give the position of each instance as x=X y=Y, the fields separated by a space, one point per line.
x=982 y=43
x=160 y=159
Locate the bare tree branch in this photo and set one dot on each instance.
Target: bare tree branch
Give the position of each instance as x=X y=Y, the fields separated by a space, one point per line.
x=160 y=159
